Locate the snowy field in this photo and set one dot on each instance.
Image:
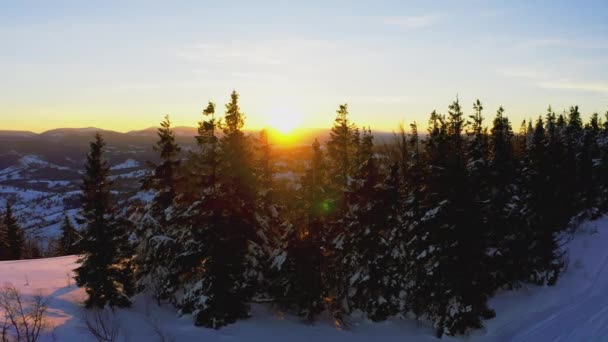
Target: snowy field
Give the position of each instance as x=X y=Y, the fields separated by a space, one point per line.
x=576 y=309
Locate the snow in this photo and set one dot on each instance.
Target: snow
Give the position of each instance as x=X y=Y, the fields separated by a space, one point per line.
x=132 y=174
x=127 y=164
x=576 y=309
x=34 y=159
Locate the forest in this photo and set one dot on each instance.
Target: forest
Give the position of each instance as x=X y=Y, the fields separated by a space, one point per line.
x=428 y=226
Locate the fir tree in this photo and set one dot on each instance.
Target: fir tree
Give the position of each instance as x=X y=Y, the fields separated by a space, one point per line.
x=156 y=246
x=544 y=259
x=300 y=284
x=14 y=234
x=68 y=242
x=4 y=246
x=103 y=239
x=224 y=239
x=340 y=150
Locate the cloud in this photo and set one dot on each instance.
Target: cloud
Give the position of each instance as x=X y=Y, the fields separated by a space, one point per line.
x=519 y=72
x=411 y=22
x=564 y=43
x=229 y=53
x=595 y=87
x=381 y=99
x=545 y=80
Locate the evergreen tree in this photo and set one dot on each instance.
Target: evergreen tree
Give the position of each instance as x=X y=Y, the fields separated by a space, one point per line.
x=103 y=239
x=14 y=234
x=372 y=269
x=69 y=240
x=342 y=155
x=4 y=246
x=544 y=262
x=156 y=246
x=340 y=149
x=449 y=252
x=224 y=242
x=300 y=284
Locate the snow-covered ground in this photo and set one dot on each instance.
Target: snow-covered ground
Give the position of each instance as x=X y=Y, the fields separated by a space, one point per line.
x=576 y=309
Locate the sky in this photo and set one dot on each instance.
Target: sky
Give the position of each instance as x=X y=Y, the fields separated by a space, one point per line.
x=123 y=65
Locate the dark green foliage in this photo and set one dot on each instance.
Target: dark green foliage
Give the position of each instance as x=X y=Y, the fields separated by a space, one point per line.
x=224 y=241
x=15 y=240
x=427 y=226
x=70 y=238
x=299 y=284
x=156 y=247
x=103 y=272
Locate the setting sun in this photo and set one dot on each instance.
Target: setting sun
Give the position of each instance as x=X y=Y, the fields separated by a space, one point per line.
x=284 y=120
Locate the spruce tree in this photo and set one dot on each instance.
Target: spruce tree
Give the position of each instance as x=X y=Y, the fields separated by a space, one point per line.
x=4 y=246
x=300 y=285
x=224 y=234
x=14 y=234
x=69 y=240
x=372 y=224
x=103 y=238
x=340 y=150
x=342 y=154
x=544 y=259
x=156 y=247
x=449 y=251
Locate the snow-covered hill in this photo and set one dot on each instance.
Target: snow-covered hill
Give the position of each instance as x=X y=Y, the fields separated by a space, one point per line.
x=576 y=309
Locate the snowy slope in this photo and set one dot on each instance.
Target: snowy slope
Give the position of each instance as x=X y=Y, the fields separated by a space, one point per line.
x=576 y=309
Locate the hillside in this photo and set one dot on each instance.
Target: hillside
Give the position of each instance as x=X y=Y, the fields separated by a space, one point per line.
x=41 y=173
x=573 y=310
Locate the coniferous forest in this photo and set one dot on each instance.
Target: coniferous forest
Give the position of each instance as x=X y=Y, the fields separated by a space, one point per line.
x=428 y=226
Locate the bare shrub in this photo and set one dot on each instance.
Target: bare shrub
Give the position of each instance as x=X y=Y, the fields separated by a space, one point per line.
x=23 y=321
x=102 y=324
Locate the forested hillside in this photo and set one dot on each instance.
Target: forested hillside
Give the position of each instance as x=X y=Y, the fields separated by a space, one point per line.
x=427 y=226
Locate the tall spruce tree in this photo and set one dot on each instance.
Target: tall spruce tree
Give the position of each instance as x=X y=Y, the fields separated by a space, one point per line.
x=544 y=262
x=301 y=266
x=103 y=237
x=342 y=154
x=156 y=246
x=225 y=236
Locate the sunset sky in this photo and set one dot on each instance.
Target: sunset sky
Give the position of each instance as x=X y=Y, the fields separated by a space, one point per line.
x=122 y=65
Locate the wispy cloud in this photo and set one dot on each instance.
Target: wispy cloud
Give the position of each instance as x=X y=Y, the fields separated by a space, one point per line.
x=544 y=80
x=411 y=22
x=519 y=72
x=228 y=53
x=565 y=43
x=381 y=99
x=595 y=87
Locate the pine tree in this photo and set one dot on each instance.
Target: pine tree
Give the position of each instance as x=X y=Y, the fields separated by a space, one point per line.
x=69 y=240
x=103 y=238
x=14 y=234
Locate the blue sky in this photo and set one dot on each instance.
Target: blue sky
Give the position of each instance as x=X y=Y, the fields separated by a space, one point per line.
x=123 y=64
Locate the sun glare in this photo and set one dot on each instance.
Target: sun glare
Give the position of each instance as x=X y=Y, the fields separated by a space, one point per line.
x=283 y=119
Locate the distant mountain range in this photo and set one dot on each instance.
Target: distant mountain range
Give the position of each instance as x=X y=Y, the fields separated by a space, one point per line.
x=41 y=172
x=300 y=136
